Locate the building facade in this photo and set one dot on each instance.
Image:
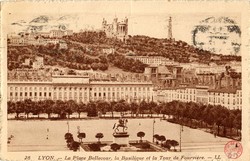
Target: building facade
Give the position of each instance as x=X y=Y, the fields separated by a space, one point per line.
x=153 y=60
x=80 y=89
x=229 y=98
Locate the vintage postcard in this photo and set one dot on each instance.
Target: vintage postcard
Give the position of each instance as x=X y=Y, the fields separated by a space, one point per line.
x=125 y=81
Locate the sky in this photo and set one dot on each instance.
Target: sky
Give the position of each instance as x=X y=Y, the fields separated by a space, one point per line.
x=145 y=18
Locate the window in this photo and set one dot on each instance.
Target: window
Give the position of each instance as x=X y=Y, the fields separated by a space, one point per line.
x=10 y=93
x=30 y=93
x=40 y=94
x=35 y=94
x=44 y=94
x=21 y=94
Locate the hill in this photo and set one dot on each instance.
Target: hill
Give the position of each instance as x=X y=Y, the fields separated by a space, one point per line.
x=86 y=50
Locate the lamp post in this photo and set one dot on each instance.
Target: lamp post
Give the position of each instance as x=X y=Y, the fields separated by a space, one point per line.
x=181 y=130
x=153 y=130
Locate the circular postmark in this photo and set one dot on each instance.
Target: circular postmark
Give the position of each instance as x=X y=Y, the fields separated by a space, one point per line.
x=219 y=35
x=233 y=149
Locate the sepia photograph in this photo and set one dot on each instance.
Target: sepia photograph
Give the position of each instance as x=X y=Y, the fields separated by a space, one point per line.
x=114 y=77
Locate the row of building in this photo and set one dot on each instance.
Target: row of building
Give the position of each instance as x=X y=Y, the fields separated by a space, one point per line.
x=23 y=41
x=200 y=68
x=229 y=98
x=84 y=89
x=153 y=60
x=39 y=38
x=80 y=89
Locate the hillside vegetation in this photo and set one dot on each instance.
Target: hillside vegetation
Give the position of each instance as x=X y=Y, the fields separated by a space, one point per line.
x=85 y=51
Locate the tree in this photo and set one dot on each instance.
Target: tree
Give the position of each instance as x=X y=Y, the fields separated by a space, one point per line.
x=162 y=138
x=140 y=134
x=91 y=109
x=38 y=108
x=11 y=107
x=120 y=107
x=67 y=136
x=152 y=105
x=142 y=107
x=75 y=146
x=103 y=107
x=70 y=106
x=167 y=144
x=167 y=109
x=59 y=108
x=158 y=109
x=81 y=136
x=19 y=108
x=28 y=107
x=99 y=136
x=174 y=143
x=237 y=122
x=156 y=136
x=48 y=107
x=115 y=146
x=112 y=107
x=103 y=66
x=133 y=108
x=94 y=66
x=81 y=108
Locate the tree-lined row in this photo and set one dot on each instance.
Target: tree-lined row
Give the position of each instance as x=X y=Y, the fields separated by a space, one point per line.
x=187 y=113
x=203 y=116
x=66 y=108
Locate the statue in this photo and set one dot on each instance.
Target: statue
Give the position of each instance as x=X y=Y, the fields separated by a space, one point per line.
x=121 y=123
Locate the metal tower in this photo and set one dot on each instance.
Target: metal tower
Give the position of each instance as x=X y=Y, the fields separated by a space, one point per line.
x=170 y=28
